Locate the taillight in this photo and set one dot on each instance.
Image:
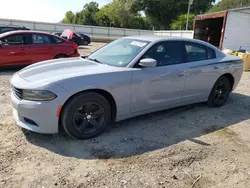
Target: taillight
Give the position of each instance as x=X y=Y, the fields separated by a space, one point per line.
x=75 y=46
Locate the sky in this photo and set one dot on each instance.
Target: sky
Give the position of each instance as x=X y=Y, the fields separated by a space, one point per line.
x=42 y=10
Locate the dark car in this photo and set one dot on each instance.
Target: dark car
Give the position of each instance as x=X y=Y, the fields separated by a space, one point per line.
x=86 y=39
x=7 y=28
x=79 y=39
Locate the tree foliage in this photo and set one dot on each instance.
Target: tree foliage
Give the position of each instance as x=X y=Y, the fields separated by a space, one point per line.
x=115 y=14
x=161 y=12
x=127 y=13
x=180 y=22
x=69 y=17
x=227 y=4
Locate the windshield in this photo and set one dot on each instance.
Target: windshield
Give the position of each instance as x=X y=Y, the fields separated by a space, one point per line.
x=120 y=52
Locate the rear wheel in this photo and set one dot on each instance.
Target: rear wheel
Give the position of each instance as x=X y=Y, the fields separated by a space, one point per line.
x=60 y=56
x=86 y=43
x=86 y=115
x=220 y=92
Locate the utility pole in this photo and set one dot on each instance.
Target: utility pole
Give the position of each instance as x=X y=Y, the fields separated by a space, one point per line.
x=189 y=5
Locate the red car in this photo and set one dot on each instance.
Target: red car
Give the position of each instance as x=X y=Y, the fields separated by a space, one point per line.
x=27 y=47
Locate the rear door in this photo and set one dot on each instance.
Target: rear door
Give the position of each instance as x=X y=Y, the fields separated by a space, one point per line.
x=15 y=50
x=41 y=48
x=202 y=72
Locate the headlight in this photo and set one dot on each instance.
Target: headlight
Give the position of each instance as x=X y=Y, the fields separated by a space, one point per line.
x=38 y=95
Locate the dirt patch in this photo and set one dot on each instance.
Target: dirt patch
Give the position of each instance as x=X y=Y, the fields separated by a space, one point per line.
x=189 y=146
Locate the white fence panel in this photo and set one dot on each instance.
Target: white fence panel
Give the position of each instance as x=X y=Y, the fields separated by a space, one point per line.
x=186 y=34
x=116 y=32
x=45 y=27
x=87 y=30
x=93 y=30
x=61 y=27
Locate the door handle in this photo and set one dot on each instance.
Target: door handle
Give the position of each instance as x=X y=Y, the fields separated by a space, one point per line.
x=216 y=67
x=180 y=74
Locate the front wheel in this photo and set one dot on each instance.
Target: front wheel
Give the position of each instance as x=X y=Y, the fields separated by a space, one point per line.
x=86 y=115
x=220 y=92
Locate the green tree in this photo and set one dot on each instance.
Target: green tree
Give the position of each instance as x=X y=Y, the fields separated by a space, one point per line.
x=69 y=18
x=118 y=13
x=88 y=13
x=180 y=22
x=161 y=12
x=227 y=4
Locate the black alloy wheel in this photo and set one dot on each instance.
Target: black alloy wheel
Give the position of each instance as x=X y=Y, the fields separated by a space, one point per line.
x=220 y=92
x=86 y=115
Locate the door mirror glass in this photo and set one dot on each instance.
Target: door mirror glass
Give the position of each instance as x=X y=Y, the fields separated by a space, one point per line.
x=148 y=63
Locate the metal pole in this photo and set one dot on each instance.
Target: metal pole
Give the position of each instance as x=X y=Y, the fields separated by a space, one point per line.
x=189 y=4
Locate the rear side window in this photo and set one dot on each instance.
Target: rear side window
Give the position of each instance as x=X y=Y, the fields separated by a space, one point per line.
x=197 y=52
x=40 y=39
x=55 y=40
x=210 y=53
x=19 y=39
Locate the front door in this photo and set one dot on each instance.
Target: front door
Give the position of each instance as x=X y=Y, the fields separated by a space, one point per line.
x=163 y=85
x=14 y=50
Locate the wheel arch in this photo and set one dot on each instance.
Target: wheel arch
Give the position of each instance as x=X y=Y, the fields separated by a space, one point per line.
x=230 y=77
x=65 y=55
x=101 y=92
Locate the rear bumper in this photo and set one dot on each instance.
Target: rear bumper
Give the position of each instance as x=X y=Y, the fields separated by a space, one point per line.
x=74 y=55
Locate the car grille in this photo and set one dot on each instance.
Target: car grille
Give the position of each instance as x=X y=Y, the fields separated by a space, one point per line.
x=17 y=92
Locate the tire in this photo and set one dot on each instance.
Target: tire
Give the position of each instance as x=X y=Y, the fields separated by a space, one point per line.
x=86 y=43
x=60 y=56
x=220 y=92
x=86 y=112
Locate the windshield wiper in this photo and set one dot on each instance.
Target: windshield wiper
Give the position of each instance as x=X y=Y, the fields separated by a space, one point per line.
x=95 y=60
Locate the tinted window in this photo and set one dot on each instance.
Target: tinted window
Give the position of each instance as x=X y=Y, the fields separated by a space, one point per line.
x=210 y=53
x=15 y=39
x=40 y=39
x=55 y=40
x=6 y=30
x=197 y=52
x=166 y=53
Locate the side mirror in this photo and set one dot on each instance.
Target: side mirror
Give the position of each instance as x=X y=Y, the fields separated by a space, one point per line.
x=1 y=43
x=148 y=63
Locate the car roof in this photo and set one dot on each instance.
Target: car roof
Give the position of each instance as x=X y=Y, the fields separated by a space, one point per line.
x=24 y=31
x=156 y=38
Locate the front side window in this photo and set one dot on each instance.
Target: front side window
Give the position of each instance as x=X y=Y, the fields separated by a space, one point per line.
x=40 y=39
x=197 y=52
x=15 y=39
x=166 y=53
x=120 y=52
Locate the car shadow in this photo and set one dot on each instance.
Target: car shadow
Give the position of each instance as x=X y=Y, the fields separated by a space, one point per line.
x=149 y=132
x=10 y=70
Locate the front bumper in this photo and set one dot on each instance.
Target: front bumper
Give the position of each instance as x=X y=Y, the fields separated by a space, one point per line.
x=37 y=116
x=43 y=114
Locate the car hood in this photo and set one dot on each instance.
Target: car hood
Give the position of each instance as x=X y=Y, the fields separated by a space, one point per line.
x=55 y=70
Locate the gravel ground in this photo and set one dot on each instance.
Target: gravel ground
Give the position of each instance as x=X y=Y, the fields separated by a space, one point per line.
x=190 y=147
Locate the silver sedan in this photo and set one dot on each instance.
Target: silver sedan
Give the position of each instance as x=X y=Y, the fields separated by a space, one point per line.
x=128 y=77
